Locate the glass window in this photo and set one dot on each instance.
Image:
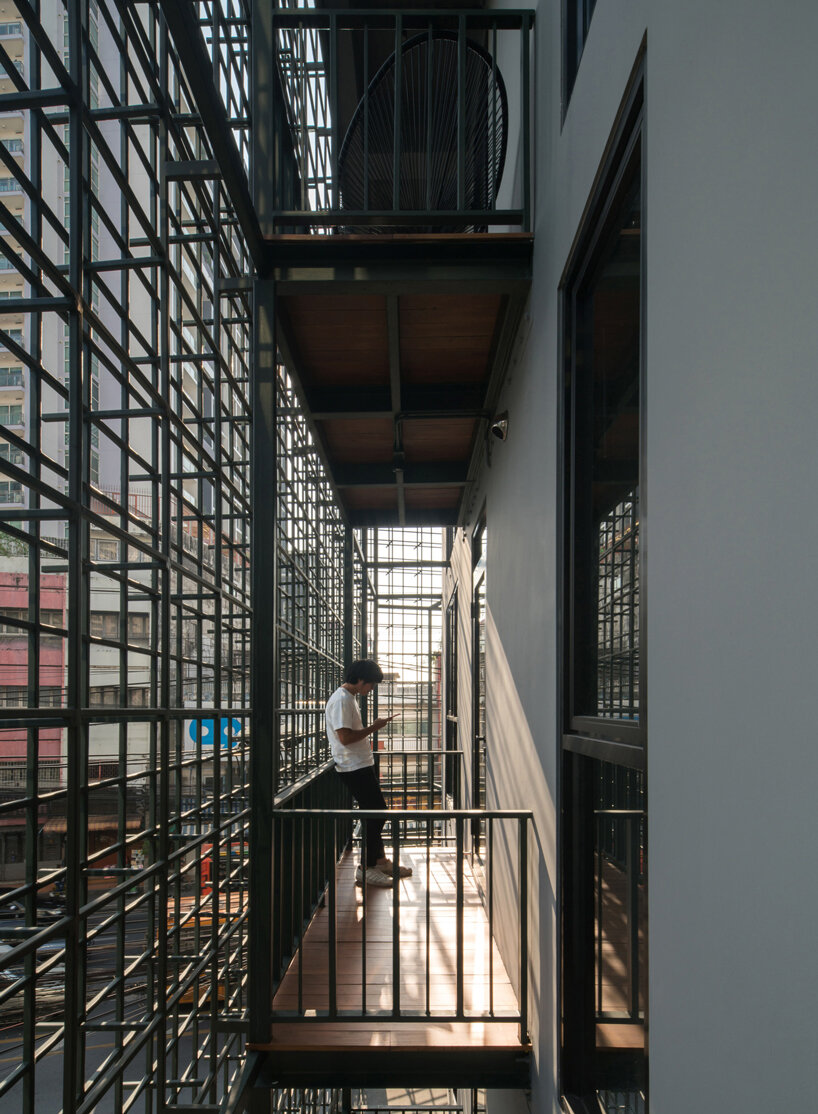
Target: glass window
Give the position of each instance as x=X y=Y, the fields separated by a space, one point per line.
x=10 y=453
x=603 y=401
x=106 y=550
x=575 y=31
x=11 y=492
x=139 y=628
x=11 y=415
x=603 y=790
x=105 y=624
x=11 y=376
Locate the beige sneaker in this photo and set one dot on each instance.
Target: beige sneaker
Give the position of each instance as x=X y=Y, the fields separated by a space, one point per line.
x=403 y=871
x=374 y=877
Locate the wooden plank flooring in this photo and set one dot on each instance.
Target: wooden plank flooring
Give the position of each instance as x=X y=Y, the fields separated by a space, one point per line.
x=428 y=964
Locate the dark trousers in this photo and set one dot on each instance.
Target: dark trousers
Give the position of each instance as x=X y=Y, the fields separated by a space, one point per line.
x=365 y=788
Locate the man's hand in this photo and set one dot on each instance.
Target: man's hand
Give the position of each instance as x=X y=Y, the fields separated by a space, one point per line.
x=382 y=721
x=348 y=735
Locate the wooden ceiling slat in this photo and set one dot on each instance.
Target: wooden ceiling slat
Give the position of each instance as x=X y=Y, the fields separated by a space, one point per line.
x=372 y=498
x=344 y=368
x=356 y=440
x=438 y=439
x=435 y=315
x=345 y=304
x=437 y=497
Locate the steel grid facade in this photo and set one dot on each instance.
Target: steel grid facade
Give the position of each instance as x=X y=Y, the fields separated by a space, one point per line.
x=124 y=566
x=318 y=605
x=406 y=570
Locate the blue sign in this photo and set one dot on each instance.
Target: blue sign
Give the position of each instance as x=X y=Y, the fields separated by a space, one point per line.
x=204 y=730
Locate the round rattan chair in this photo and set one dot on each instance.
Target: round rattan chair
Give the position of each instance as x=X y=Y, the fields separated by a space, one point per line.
x=428 y=135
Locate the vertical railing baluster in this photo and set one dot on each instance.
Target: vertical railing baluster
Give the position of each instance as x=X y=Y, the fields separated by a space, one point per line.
x=461 y=113
x=396 y=920
x=490 y=856
x=302 y=904
x=363 y=919
x=601 y=822
x=428 y=915
x=526 y=120
x=459 y=866
x=429 y=93
x=493 y=113
x=296 y=927
x=523 y=840
x=366 y=134
x=331 y=897
x=396 y=151
x=333 y=104
x=300 y=60
x=632 y=822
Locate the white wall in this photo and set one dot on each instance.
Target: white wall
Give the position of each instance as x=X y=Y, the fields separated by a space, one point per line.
x=731 y=531
x=520 y=492
x=732 y=400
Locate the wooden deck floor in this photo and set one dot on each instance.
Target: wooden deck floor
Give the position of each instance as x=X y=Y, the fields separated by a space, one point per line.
x=428 y=964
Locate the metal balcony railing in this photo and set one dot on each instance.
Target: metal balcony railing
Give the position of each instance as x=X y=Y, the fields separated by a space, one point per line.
x=619 y=923
x=310 y=844
x=394 y=121
x=412 y=779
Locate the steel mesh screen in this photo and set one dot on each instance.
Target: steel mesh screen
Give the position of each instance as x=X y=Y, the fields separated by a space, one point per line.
x=124 y=565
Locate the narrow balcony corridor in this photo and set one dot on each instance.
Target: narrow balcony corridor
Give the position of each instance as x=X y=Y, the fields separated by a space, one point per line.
x=409 y=979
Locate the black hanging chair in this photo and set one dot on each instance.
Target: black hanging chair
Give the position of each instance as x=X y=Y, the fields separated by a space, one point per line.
x=428 y=127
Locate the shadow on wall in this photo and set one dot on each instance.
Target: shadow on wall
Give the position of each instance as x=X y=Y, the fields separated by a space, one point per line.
x=515 y=779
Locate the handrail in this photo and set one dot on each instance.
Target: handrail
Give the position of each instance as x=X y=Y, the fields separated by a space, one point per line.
x=303 y=783
x=509 y=18
x=414 y=813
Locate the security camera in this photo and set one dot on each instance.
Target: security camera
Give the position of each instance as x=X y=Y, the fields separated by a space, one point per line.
x=499 y=426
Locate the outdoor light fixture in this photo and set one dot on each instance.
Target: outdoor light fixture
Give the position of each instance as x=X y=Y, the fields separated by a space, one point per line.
x=499 y=426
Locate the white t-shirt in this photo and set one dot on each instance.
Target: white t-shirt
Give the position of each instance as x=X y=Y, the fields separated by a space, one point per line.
x=342 y=711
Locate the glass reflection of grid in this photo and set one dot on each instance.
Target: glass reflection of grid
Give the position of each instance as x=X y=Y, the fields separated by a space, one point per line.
x=618 y=612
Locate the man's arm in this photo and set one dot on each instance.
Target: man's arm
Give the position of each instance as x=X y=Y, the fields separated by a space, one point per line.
x=350 y=735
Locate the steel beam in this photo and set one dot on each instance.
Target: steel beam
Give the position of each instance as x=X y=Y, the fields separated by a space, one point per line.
x=507 y=1068
x=414 y=475
x=393 y=343
x=264 y=748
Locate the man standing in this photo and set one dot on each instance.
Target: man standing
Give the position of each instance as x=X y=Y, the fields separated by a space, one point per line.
x=355 y=763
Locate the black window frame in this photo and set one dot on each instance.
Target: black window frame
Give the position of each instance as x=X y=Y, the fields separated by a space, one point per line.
x=585 y=742
x=625 y=739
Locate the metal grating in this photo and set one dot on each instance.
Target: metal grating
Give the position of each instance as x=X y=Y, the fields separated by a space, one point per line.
x=406 y=569
x=124 y=566
x=313 y=592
